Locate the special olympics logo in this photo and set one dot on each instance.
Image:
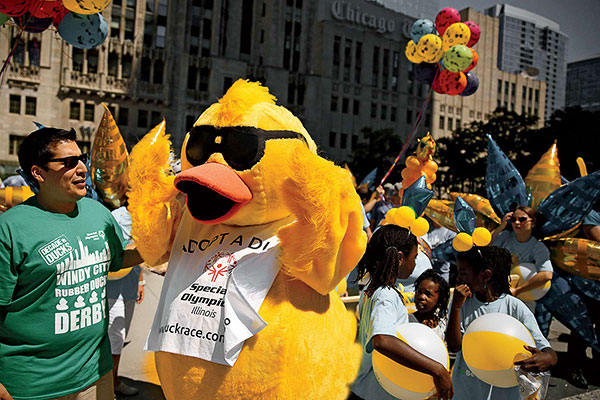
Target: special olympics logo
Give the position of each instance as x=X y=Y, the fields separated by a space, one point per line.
x=220 y=264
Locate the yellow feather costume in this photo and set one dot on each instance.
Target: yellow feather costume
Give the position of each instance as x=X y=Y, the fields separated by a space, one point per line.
x=307 y=350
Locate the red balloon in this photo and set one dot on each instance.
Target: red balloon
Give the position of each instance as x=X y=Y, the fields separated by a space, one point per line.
x=475 y=33
x=445 y=18
x=436 y=85
x=14 y=8
x=474 y=62
x=452 y=83
x=46 y=9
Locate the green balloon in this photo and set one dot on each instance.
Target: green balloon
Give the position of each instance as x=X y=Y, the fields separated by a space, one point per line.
x=3 y=18
x=458 y=58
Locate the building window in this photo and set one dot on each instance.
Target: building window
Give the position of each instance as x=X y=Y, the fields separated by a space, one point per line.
x=113 y=64
x=393 y=114
x=450 y=109
x=15 y=104
x=92 y=61
x=142 y=121
x=356 y=107
x=386 y=69
x=155 y=118
x=74 y=110
x=14 y=141
x=442 y=107
x=336 y=57
x=458 y=122
x=345 y=105
x=357 y=62
x=383 y=112
x=373 y=110
x=126 y=66
x=192 y=77
x=77 y=62
x=354 y=142
x=450 y=123
x=375 y=75
x=478 y=115
x=332 y=139
x=145 y=69
x=123 y=116
x=88 y=112
x=499 y=86
x=409 y=116
x=343 y=140
x=395 y=70
x=334 y=102
x=30 y=105
x=347 y=59
x=471 y=114
x=157 y=77
x=442 y=119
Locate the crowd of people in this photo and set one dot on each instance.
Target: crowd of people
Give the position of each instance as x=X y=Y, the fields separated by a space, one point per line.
x=54 y=344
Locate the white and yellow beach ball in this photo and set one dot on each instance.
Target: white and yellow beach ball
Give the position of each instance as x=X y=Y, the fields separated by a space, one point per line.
x=490 y=345
x=525 y=272
x=403 y=382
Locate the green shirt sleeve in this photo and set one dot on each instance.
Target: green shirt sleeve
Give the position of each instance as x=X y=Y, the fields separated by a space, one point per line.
x=8 y=271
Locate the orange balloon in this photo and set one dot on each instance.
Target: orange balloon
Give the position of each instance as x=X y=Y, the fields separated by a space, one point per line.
x=474 y=62
x=430 y=167
x=413 y=162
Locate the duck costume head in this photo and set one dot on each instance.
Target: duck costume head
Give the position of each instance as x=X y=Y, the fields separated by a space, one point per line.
x=267 y=231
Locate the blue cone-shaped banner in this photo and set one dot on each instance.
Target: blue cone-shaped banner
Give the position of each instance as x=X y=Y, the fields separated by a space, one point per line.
x=504 y=185
x=464 y=216
x=417 y=196
x=445 y=252
x=370 y=179
x=569 y=204
x=39 y=125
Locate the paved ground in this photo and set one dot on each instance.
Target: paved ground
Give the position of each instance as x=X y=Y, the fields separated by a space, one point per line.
x=137 y=366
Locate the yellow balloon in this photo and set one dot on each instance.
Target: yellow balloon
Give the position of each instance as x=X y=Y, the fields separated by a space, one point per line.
x=457 y=33
x=390 y=215
x=86 y=6
x=462 y=242
x=122 y=273
x=430 y=48
x=481 y=237
x=419 y=227
x=404 y=217
x=411 y=53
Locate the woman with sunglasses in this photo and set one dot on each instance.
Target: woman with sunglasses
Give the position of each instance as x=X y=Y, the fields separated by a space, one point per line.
x=525 y=248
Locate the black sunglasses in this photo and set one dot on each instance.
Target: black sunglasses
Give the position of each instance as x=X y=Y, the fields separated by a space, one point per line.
x=520 y=219
x=241 y=146
x=71 y=161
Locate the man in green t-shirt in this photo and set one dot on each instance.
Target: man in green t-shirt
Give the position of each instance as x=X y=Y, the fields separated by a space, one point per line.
x=56 y=249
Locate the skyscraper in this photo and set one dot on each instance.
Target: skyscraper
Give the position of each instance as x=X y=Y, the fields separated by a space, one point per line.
x=583 y=84
x=529 y=42
x=416 y=9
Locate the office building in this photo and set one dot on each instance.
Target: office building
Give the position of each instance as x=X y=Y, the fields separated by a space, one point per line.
x=339 y=65
x=583 y=84
x=532 y=43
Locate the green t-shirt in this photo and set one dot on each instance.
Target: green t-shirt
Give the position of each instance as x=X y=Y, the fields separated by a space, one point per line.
x=53 y=314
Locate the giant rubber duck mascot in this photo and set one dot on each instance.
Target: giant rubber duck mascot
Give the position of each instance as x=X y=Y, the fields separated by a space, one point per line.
x=248 y=308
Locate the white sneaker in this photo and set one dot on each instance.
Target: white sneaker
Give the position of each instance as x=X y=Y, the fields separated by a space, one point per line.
x=126 y=390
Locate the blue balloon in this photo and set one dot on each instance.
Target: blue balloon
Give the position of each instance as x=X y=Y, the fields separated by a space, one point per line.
x=417 y=196
x=420 y=28
x=464 y=216
x=504 y=185
x=472 y=84
x=445 y=252
x=425 y=72
x=32 y=24
x=89 y=184
x=83 y=31
x=569 y=204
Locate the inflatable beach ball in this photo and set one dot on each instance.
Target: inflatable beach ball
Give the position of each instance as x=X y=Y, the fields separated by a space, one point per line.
x=490 y=345
x=403 y=382
x=525 y=272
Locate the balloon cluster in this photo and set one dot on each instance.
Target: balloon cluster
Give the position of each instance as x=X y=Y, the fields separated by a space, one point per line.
x=444 y=53
x=466 y=222
x=414 y=201
x=421 y=164
x=78 y=22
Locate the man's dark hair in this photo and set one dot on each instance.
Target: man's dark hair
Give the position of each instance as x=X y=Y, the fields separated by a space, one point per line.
x=36 y=148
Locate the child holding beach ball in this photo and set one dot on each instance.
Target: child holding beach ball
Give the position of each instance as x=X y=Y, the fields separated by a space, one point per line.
x=504 y=329
x=390 y=255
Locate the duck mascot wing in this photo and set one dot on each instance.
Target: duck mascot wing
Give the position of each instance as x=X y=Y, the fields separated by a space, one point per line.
x=248 y=308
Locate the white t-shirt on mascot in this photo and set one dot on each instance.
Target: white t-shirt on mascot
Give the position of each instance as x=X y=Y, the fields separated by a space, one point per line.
x=218 y=277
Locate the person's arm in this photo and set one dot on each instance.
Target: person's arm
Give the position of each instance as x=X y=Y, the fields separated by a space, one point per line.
x=141 y=284
x=501 y=227
x=540 y=360
x=538 y=280
x=592 y=232
x=4 y=393
x=131 y=257
x=453 y=333
x=402 y=353
x=369 y=233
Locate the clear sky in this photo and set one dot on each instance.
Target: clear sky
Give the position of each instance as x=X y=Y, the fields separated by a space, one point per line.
x=578 y=19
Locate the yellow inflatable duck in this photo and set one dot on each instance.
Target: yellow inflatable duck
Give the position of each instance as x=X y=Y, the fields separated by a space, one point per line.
x=248 y=308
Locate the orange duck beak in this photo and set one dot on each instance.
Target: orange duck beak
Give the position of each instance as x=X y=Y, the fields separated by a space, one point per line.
x=214 y=192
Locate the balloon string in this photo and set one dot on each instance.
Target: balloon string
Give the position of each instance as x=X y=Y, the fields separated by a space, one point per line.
x=412 y=133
